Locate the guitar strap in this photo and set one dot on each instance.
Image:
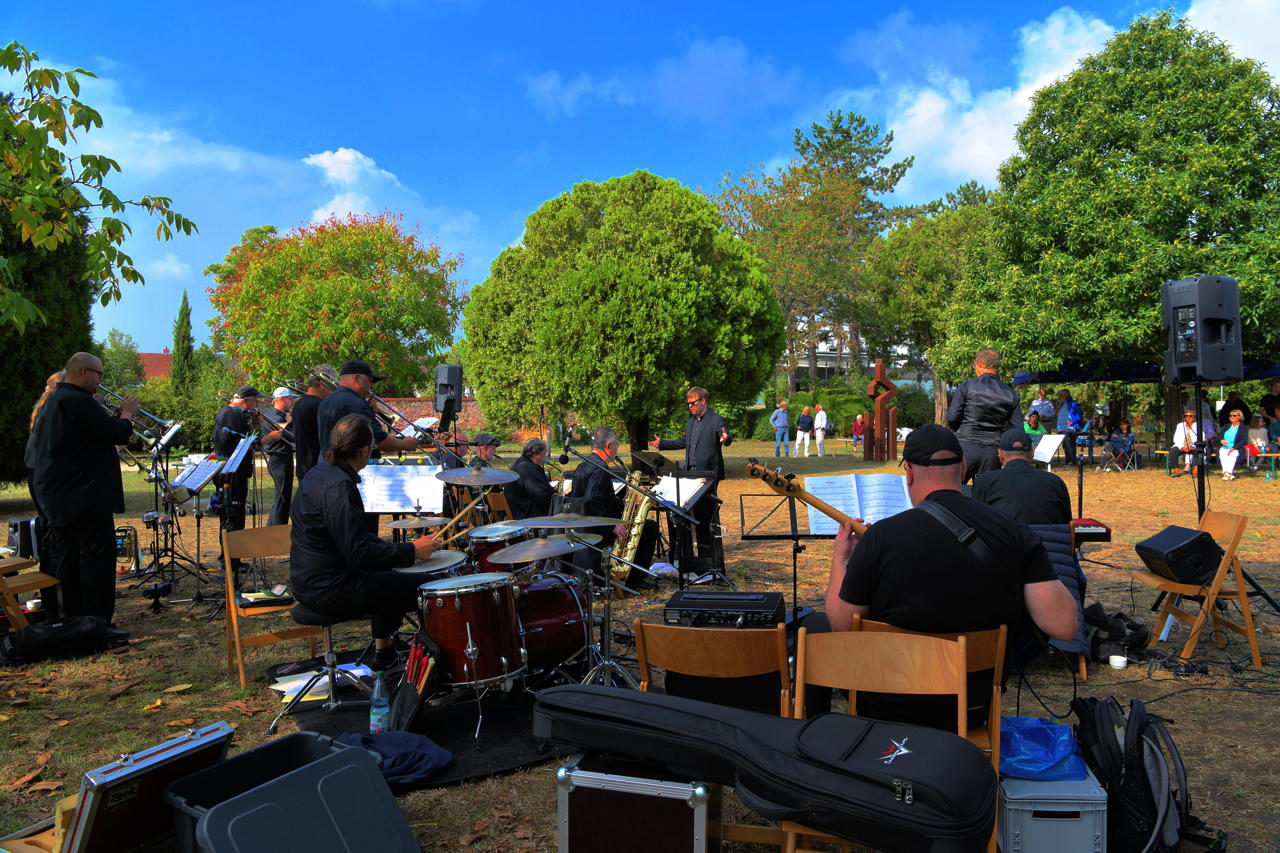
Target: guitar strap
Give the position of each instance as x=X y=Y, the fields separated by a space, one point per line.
x=967 y=536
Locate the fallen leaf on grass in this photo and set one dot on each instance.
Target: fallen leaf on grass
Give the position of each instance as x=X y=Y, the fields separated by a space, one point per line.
x=50 y=785
x=470 y=838
x=177 y=688
x=523 y=832
x=4 y=718
x=154 y=706
x=18 y=783
x=62 y=723
x=19 y=703
x=243 y=707
x=188 y=721
x=501 y=813
x=119 y=691
x=43 y=758
x=49 y=716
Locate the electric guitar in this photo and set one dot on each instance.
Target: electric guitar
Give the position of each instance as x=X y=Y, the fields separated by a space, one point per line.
x=788 y=485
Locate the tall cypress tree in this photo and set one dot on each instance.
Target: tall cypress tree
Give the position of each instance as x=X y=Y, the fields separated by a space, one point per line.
x=183 y=367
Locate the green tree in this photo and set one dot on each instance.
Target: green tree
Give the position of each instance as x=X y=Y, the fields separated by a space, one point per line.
x=811 y=221
x=120 y=362
x=55 y=280
x=182 y=365
x=913 y=271
x=1157 y=159
x=44 y=191
x=618 y=298
x=358 y=287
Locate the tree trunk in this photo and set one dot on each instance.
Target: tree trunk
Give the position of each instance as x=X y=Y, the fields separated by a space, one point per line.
x=939 y=399
x=638 y=432
x=813 y=367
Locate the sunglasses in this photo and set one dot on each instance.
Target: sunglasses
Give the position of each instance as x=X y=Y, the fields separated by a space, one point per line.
x=694 y=402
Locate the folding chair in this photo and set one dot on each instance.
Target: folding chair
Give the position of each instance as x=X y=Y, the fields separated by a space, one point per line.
x=719 y=653
x=1226 y=529
x=15 y=579
x=882 y=662
x=253 y=542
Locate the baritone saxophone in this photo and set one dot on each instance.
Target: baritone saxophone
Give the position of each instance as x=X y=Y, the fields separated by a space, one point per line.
x=633 y=517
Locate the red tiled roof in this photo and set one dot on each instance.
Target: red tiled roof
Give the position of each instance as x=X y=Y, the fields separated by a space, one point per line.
x=155 y=363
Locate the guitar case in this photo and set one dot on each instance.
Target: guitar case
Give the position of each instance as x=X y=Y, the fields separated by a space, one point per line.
x=891 y=786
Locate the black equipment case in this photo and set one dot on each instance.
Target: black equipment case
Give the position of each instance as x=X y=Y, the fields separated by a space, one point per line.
x=892 y=786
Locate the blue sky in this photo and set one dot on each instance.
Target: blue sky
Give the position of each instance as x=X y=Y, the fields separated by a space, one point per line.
x=466 y=115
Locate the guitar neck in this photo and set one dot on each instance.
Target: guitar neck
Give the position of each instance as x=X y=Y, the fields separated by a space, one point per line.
x=790 y=486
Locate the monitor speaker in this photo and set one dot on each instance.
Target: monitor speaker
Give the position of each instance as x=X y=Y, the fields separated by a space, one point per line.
x=448 y=386
x=1181 y=554
x=1203 y=318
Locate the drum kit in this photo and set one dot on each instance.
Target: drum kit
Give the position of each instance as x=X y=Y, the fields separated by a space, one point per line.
x=500 y=611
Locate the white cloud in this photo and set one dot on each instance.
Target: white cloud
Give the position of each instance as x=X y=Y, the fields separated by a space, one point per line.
x=1248 y=27
x=346 y=166
x=555 y=97
x=167 y=266
x=360 y=186
x=716 y=79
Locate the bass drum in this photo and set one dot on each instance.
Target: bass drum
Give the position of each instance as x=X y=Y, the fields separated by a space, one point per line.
x=491 y=538
x=553 y=620
x=473 y=620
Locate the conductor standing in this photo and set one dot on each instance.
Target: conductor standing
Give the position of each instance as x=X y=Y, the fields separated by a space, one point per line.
x=705 y=433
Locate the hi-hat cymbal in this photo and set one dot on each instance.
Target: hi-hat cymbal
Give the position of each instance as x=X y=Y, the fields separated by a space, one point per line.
x=478 y=477
x=540 y=549
x=417 y=522
x=567 y=520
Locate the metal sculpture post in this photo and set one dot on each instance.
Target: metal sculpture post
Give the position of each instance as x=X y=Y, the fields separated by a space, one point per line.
x=880 y=443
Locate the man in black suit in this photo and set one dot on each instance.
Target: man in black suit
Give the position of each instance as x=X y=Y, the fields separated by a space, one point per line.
x=705 y=433
x=77 y=476
x=1021 y=489
x=595 y=493
x=980 y=409
x=531 y=494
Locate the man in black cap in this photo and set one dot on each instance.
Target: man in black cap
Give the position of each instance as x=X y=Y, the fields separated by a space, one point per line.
x=237 y=419
x=1021 y=489
x=911 y=571
x=355 y=383
x=486 y=447
x=981 y=408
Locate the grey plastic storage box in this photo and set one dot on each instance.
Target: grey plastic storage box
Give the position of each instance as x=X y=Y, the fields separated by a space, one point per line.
x=305 y=791
x=1052 y=817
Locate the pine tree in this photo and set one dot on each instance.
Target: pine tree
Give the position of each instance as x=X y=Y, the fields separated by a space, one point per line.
x=182 y=368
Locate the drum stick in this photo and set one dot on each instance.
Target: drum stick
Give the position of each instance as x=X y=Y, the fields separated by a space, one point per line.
x=455 y=536
x=466 y=509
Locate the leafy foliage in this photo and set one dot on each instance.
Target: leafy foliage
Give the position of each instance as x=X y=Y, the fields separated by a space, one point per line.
x=54 y=280
x=44 y=190
x=619 y=297
x=1157 y=159
x=121 y=366
x=182 y=366
x=358 y=287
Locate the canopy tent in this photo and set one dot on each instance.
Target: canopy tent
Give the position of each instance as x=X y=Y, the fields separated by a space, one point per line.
x=1125 y=371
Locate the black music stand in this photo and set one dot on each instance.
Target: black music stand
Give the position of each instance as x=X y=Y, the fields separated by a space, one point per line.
x=684 y=534
x=793 y=535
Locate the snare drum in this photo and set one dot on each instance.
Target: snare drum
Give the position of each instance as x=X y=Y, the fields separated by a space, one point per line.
x=553 y=620
x=441 y=564
x=473 y=619
x=486 y=540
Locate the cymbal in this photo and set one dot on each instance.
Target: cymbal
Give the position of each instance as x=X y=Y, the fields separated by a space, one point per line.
x=540 y=549
x=478 y=477
x=566 y=520
x=417 y=522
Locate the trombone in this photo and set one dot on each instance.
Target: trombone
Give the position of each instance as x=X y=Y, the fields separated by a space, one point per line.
x=145 y=424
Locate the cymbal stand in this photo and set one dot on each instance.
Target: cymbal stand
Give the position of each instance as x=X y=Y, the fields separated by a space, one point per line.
x=605 y=668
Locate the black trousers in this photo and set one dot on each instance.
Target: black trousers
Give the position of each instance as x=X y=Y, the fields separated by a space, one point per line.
x=234 y=489
x=281 y=468
x=1069 y=445
x=84 y=562
x=44 y=550
x=386 y=596
x=978 y=459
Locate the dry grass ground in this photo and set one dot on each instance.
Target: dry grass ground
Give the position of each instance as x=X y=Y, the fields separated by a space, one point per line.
x=66 y=717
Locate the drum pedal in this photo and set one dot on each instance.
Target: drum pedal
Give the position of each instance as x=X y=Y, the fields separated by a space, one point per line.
x=623 y=636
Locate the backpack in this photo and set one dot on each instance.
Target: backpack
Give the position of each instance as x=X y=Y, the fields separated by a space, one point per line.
x=1135 y=760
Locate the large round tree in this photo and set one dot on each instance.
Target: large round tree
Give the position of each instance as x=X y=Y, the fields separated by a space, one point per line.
x=619 y=296
x=1157 y=159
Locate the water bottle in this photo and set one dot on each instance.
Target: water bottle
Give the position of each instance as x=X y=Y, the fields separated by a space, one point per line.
x=379 y=706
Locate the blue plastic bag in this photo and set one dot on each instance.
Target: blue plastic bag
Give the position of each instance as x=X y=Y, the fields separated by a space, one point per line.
x=1032 y=748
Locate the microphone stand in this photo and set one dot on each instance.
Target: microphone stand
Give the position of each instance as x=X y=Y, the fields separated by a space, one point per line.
x=621 y=478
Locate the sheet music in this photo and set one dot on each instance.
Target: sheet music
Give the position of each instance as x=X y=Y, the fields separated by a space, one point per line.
x=1046 y=447
x=870 y=497
x=203 y=473
x=401 y=488
x=237 y=456
x=666 y=489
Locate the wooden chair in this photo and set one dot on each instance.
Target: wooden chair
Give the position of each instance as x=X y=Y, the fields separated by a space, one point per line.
x=1226 y=529
x=499 y=508
x=270 y=541
x=723 y=653
x=16 y=578
x=886 y=661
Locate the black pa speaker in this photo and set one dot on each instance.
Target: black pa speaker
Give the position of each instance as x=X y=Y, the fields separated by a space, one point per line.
x=1203 y=318
x=23 y=538
x=1181 y=554
x=448 y=386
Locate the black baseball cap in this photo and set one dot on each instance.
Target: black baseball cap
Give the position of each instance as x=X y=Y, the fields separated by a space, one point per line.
x=922 y=443
x=1016 y=439
x=358 y=366
x=483 y=438
x=246 y=391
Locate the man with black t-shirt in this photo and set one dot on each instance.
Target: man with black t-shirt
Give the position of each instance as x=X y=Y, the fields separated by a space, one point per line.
x=910 y=571
x=1021 y=489
x=594 y=493
x=305 y=426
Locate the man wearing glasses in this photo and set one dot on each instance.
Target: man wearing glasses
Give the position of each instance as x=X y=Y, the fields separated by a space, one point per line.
x=705 y=433
x=77 y=478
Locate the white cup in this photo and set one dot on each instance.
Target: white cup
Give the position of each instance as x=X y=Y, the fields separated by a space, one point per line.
x=1119 y=661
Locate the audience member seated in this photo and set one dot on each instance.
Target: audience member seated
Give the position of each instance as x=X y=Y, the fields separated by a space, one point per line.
x=1182 y=450
x=1232 y=443
x=856 y=432
x=1034 y=428
x=1232 y=404
x=1120 y=443
x=1258 y=440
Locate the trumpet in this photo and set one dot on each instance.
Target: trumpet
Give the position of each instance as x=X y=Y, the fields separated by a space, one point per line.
x=146 y=426
x=267 y=414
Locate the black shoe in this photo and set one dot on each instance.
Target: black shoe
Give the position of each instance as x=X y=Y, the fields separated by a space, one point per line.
x=383 y=659
x=116 y=637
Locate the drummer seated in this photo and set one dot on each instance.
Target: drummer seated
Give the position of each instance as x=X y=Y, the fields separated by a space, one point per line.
x=336 y=566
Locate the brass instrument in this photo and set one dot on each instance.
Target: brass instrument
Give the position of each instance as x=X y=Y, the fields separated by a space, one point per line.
x=146 y=426
x=385 y=414
x=267 y=414
x=634 y=515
